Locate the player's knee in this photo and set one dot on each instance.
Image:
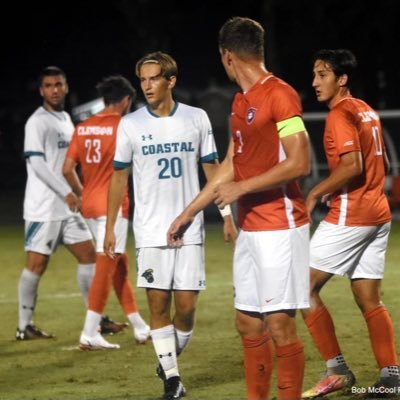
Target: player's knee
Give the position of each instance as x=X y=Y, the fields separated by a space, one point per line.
x=37 y=267
x=185 y=316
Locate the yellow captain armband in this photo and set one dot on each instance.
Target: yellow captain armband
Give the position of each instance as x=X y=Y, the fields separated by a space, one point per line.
x=290 y=126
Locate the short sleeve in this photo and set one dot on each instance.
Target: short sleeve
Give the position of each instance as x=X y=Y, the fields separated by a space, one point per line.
x=123 y=150
x=208 y=149
x=342 y=128
x=285 y=103
x=34 y=141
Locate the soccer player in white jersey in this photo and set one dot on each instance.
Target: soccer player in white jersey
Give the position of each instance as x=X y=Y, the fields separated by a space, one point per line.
x=164 y=142
x=49 y=204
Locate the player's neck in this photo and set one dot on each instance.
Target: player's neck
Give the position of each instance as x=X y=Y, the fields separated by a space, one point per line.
x=342 y=94
x=53 y=108
x=163 y=108
x=113 y=109
x=249 y=74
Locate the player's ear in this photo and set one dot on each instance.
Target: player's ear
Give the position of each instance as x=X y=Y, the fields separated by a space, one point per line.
x=343 y=79
x=171 y=82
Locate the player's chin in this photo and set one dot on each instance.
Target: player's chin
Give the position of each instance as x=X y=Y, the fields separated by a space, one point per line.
x=150 y=100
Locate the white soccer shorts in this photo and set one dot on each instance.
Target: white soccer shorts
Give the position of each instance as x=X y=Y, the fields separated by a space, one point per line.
x=98 y=228
x=271 y=270
x=355 y=251
x=44 y=237
x=171 y=268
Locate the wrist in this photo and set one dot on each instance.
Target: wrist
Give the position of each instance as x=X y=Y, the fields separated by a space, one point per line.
x=226 y=211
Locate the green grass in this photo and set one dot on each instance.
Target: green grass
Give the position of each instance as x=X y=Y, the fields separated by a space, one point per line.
x=212 y=365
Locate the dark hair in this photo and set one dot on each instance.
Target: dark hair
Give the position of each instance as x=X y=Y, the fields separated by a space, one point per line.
x=341 y=61
x=114 y=88
x=243 y=36
x=50 y=71
x=165 y=61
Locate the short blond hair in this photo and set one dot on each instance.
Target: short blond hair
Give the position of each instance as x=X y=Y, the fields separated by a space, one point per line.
x=165 y=61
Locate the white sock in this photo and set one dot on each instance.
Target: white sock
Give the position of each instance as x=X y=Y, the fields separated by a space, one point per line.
x=337 y=365
x=92 y=321
x=85 y=274
x=137 y=321
x=164 y=345
x=27 y=295
x=392 y=370
x=182 y=339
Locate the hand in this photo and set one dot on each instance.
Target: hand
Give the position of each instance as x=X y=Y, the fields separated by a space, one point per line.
x=326 y=199
x=109 y=244
x=177 y=229
x=230 y=231
x=73 y=202
x=227 y=193
x=311 y=202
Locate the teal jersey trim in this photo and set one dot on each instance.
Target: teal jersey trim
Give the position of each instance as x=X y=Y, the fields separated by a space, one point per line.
x=121 y=165
x=173 y=111
x=210 y=158
x=28 y=154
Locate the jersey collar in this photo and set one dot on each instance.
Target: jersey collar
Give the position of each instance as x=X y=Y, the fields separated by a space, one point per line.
x=173 y=111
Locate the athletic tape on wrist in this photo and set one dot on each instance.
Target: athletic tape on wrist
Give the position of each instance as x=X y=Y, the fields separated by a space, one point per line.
x=225 y=211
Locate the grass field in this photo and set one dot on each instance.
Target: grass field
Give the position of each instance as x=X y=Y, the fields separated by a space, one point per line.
x=211 y=367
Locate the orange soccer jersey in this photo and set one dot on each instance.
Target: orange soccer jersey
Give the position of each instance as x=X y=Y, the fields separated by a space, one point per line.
x=257 y=148
x=352 y=125
x=93 y=147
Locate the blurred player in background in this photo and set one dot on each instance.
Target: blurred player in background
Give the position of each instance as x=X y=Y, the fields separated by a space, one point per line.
x=269 y=150
x=49 y=204
x=352 y=239
x=164 y=141
x=93 y=147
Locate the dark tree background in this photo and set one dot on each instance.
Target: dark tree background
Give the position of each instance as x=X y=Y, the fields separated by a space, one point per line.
x=90 y=40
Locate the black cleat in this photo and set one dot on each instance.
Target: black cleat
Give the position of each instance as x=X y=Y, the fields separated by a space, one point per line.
x=31 y=332
x=173 y=389
x=110 y=327
x=384 y=388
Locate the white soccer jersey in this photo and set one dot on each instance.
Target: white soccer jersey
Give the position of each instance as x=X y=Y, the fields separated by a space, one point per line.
x=165 y=153
x=47 y=134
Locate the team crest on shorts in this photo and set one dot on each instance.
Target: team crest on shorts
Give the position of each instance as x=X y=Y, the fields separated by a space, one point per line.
x=148 y=275
x=251 y=114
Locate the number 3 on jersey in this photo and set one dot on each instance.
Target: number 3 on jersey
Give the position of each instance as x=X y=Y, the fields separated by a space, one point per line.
x=170 y=168
x=93 y=151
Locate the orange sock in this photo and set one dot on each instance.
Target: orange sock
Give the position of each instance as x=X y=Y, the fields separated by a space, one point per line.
x=290 y=370
x=258 y=364
x=101 y=283
x=381 y=334
x=322 y=331
x=123 y=287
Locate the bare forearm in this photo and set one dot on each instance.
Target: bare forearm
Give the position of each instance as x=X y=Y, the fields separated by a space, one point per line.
x=115 y=195
x=349 y=167
x=277 y=176
x=336 y=181
x=74 y=181
x=223 y=173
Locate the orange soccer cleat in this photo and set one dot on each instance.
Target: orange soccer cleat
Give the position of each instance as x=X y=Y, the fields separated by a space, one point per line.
x=329 y=384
